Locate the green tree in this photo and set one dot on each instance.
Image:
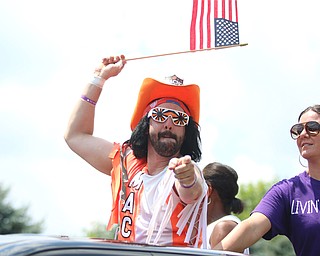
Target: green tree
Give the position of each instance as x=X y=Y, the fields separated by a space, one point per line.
x=251 y=195
x=278 y=246
x=98 y=230
x=15 y=220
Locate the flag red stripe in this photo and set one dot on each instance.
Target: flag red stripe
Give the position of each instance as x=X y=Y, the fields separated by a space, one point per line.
x=201 y=25
x=230 y=9
x=223 y=7
x=215 y=8
x=209 y=25
x=236 y=6
x=193 y=25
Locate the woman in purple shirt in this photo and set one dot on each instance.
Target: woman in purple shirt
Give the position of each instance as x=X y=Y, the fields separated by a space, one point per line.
x=292 y=206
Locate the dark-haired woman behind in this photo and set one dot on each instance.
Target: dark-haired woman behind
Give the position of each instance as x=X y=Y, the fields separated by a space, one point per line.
x=222 y=202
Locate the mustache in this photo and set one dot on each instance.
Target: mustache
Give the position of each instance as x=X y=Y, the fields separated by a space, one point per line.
x=167 y=134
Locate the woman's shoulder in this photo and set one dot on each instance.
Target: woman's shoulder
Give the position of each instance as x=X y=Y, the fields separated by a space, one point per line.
x=293 y=181
x=230 y=217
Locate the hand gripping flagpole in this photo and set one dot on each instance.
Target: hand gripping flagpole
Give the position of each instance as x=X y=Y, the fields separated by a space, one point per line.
x=174 y=53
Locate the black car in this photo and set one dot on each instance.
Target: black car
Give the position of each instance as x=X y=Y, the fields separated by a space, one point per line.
x=43 y=245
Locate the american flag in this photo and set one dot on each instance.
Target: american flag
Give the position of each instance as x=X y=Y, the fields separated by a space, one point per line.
x=224 y=23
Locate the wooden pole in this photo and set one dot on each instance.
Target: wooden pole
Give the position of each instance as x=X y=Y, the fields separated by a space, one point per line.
x=174 y=53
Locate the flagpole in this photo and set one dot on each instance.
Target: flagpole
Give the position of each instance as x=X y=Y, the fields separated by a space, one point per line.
x=174 y=53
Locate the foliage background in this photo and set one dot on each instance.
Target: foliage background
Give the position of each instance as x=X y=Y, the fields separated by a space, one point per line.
x=15 y=220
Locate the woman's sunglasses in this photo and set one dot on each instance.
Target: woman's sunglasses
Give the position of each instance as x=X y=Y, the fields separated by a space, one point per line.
x=312 y=128
x=160 y=115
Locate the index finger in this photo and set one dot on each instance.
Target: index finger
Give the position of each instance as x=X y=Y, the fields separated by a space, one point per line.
x=185 y=159
x=173 y=163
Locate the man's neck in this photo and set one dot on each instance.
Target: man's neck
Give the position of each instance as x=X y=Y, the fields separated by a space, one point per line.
x=156 y=164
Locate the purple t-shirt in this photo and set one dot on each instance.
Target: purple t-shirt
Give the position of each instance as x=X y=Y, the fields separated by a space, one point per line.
x=293 y=208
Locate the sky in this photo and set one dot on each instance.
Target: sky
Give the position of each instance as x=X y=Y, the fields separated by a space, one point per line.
x=250 y=95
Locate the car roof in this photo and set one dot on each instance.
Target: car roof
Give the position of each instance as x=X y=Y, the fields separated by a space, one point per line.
x=44 y=245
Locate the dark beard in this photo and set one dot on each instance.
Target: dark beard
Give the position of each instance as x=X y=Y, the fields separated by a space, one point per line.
x=166 y=149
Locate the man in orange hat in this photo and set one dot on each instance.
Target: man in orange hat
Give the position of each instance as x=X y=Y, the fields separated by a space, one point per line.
x=158 y=191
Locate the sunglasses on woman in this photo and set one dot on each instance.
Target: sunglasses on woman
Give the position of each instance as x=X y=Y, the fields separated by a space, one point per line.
x=160 y=115
x=311 y=127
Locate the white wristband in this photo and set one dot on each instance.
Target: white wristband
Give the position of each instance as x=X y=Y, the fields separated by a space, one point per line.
x=98 y=81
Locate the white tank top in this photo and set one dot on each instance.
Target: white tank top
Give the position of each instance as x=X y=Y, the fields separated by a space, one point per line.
x=224 y=218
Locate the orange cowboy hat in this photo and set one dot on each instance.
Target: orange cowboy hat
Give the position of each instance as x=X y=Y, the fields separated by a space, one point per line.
x=152 y=90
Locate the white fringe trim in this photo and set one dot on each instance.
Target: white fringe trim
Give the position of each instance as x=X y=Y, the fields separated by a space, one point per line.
x=190 y=211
